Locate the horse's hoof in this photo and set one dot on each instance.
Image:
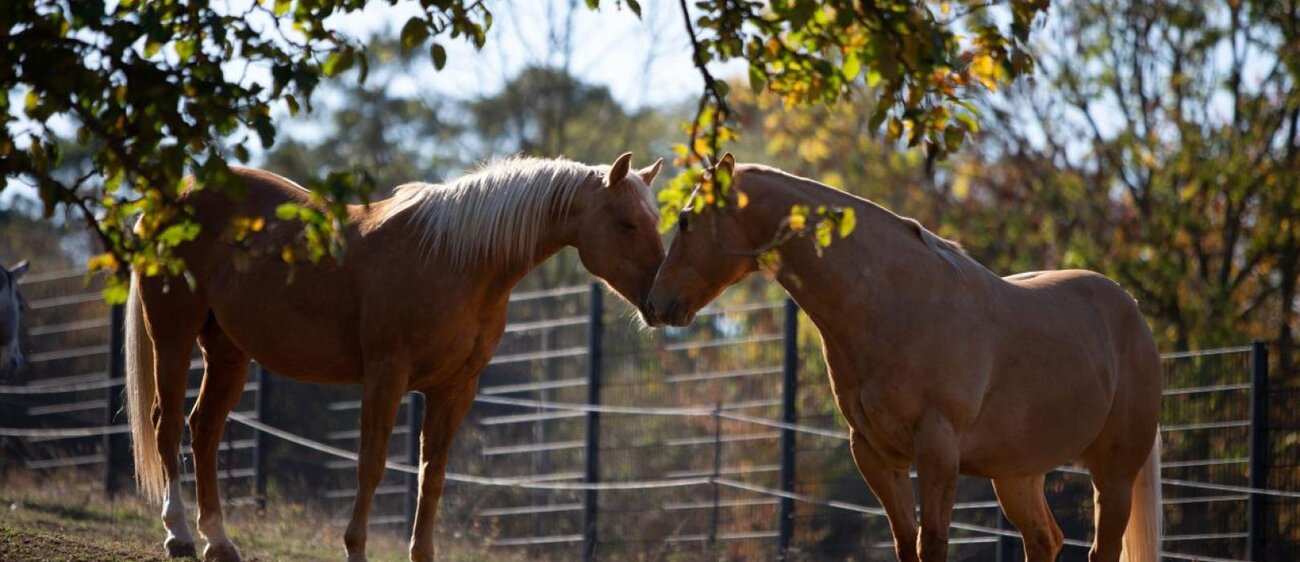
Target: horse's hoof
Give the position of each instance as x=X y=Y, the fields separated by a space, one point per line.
x=221 y=553
x=177 y=548
x=422 y=555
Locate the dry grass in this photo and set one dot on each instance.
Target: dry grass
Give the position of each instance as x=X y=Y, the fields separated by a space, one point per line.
x=69 y=519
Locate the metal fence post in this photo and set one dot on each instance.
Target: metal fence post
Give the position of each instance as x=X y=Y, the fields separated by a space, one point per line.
x=260 y=455
x=1257 y=522
x=113 y=446
x=789 y=393
x=414 y=423
x=591 y=472
x=717 y=471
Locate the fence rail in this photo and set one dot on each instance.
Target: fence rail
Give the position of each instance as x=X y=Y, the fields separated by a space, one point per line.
x=722 y=435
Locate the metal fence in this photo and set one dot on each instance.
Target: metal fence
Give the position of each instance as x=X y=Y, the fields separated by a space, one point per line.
x=728 y=425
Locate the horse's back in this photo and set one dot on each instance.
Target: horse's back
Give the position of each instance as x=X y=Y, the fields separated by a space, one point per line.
x=261 y=193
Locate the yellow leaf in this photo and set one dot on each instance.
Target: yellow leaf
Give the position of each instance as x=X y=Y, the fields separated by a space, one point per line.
x=797 y=222
x=986 y=71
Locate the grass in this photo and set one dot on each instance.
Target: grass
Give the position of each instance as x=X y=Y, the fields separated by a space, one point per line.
x=70 y=519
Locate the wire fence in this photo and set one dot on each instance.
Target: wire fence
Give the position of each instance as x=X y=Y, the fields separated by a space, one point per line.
x=592 y=438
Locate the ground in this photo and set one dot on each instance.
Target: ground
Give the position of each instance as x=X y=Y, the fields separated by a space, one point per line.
x=71 y=520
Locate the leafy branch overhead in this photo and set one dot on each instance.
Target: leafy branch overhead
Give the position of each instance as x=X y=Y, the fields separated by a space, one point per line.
x=155 y=91
x=922 y=60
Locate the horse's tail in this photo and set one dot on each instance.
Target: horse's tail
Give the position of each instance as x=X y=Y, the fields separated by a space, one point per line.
x=1145 y=525
x=140 y=398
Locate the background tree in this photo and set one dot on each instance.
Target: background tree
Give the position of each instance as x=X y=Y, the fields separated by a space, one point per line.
x=1159 y=146
x=367 y=127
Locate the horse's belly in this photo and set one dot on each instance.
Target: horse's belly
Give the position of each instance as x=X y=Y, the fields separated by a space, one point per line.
x=1031 y=424
x=299 y=330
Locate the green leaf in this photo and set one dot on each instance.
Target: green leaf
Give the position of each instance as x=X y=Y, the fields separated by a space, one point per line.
x=852 y=66
x=635 y=6
x=848 y=222
x=282 y=7
x=439 y=55
x=757 y=78
x=338 y=62
x=414 y=33
x=287 y=211
x=175 y=234
x=116 y=291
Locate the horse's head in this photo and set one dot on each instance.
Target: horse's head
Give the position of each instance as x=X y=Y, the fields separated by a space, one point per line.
x=617 y=233
x=708 y=255
x=11 y=305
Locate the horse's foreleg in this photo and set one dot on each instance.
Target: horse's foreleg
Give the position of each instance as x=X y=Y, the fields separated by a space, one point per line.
x=937 y=460
x=381 y=397
x=893 y=488
x=443 y=414
x=225 y=371
x=1025 y=506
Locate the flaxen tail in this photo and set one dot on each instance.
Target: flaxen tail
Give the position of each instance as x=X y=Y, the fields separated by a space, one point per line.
x=140 y=399
x=1145 y=523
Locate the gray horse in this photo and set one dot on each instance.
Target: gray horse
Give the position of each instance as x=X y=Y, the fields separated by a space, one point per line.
x=11 y=305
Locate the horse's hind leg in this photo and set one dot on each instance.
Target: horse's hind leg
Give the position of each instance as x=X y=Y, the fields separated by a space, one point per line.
x=1023 y=501
x=173 y=319
x=224 y=374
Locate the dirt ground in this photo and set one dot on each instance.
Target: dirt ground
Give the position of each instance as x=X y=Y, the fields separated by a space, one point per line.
x=71 y=520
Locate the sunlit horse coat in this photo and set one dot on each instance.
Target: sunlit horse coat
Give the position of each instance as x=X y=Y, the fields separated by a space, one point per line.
x=418 y=303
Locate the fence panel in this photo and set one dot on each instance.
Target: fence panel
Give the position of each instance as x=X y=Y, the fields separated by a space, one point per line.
x=706 y=401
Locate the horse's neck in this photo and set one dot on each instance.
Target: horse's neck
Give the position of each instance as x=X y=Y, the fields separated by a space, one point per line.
x=495 y=279
x=880 y=251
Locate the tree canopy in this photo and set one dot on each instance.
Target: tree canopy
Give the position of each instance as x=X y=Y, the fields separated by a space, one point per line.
x=159 y=90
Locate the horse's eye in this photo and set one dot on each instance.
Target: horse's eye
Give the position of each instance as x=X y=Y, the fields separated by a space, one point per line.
x=684 y=221
x=629 y=225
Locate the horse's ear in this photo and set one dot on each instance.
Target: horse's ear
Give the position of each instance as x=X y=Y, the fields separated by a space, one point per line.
x=728 y=162
x=18 y=270
x=649 y=173
x=618 y=172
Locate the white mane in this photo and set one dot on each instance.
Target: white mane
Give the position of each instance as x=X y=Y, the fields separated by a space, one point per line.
x=493 y=214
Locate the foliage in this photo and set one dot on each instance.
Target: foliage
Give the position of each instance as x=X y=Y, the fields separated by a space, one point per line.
x=162 y=90
x=366 y=126
x=158 y=90
x=919 y=66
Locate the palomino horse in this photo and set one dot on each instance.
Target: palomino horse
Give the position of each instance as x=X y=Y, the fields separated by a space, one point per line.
x=11 y=306
x=418 y=303
x=938 y=362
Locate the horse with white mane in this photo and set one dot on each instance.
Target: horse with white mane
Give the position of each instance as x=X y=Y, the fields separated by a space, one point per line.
x=418 y=303
x=935 y=361
x=11 y=307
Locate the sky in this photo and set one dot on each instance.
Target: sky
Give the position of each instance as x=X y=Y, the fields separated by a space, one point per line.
x=644 y=61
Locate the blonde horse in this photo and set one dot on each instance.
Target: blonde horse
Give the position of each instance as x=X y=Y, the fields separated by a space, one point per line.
x=11 y=307
x=937 y=362
x=418 y=303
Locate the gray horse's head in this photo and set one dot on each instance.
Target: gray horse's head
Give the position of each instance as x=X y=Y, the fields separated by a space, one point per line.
x=11 y=307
